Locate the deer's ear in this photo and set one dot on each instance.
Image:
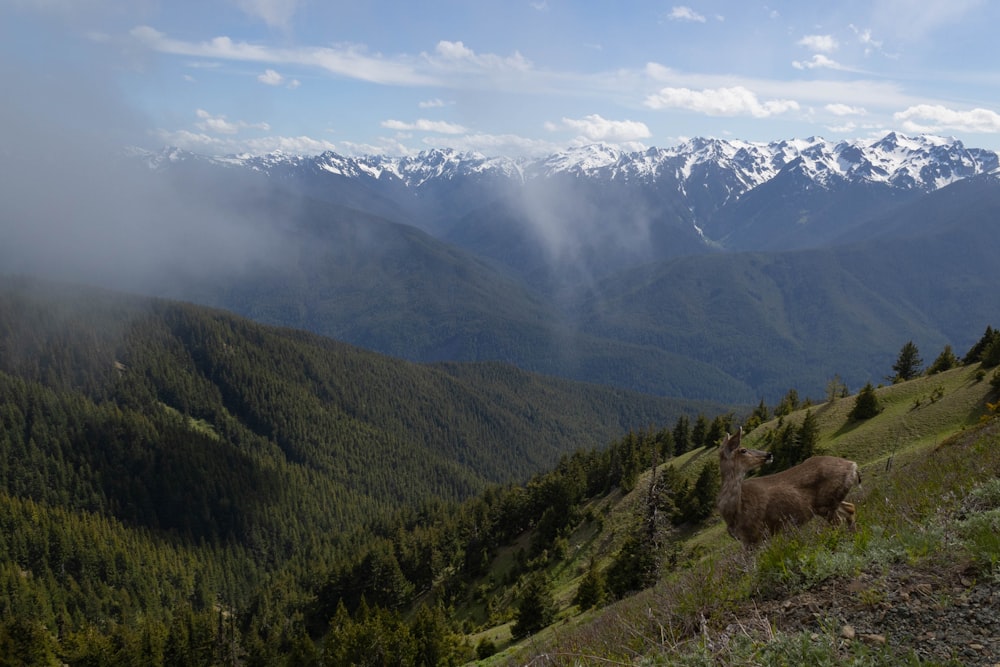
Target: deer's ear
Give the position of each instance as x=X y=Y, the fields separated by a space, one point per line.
x=731 y=442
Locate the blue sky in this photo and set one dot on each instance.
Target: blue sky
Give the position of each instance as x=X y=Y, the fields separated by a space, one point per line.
x=503 y=78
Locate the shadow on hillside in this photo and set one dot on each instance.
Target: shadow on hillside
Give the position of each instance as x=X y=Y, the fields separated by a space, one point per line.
x=697 y=456
x=848 y=426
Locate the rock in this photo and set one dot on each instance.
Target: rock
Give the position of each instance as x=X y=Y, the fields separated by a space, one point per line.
x=874 y=639
x=847 y=632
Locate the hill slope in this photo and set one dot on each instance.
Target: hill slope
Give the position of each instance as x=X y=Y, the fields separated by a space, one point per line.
x=930 y=466
x=173 y=417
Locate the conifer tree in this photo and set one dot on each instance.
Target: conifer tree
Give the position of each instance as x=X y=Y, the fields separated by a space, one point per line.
x=537 y=608
x=591 y=591
x=866 y=405
x=760 y=415
x=808 y=436
x=975 y=353
x=945 y=361
x=705 y=492
x=835 y=389
x=700 y=432
x=682 y=435
x=788 y=404
x=908 y=363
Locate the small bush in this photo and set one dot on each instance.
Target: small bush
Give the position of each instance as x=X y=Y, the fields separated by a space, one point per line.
x=866 y=405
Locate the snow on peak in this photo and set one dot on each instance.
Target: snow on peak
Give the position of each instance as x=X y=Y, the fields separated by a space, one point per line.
x=730 y=167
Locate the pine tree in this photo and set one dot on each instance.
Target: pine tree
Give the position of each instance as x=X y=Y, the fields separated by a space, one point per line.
x=945 y=361
x=835 y=389
x=975 y=353
x=682 y=435
x=700 y=432
x=788 y=404
x=705 y=492
x=537 y=608
x=866 y=405
x=591 y=591
x=808 y=436
x=760 y=415
x=908 y=363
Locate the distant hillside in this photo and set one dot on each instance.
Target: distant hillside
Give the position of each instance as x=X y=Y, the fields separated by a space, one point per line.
x=631 y=270
x=379 y=430
x=595 y=264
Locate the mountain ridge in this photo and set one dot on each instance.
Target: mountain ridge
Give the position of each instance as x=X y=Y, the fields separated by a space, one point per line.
x=924 y=162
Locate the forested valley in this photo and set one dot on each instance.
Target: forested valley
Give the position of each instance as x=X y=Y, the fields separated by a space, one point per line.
x=182 y=486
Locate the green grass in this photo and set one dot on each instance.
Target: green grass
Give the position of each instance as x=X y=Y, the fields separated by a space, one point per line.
x=930 y=498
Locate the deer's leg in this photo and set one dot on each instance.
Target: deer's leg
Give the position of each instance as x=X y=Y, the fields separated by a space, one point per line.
x=845 y=514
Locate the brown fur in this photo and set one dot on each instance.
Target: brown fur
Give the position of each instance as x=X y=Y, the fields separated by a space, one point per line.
x=758 y=507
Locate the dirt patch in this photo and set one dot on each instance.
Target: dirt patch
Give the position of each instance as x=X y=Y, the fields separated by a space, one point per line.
x=943 y=615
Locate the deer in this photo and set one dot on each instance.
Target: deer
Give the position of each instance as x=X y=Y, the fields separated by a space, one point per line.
x=756 y=508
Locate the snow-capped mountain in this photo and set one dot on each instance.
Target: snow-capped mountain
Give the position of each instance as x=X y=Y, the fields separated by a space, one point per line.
x=594 y=201
x=922 y=162
x=604 y=265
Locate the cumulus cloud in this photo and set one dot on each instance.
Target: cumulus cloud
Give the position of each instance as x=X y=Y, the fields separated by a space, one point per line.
x=864 y=36
x=220 y=125
x=684 y=13
x=734 y=101
x=596 y=128
x=457 y=53
x=275 y=13
x=818 y=61
x=424 y=125
x=845 y=110
x=821 y=43
x=209 y=144
x=935 y=118
x=271 y=78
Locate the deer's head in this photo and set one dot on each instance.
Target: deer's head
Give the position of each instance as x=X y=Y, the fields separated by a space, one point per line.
x=737 y=458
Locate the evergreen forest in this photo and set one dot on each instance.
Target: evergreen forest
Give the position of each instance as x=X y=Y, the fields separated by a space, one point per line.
x=182 y=486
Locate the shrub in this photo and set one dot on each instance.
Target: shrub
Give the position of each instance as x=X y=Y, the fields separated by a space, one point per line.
x=866 y=405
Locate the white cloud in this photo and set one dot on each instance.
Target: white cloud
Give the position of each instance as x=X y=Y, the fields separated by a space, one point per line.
x=457 y=53
x=271 y=78
x=275 y=13
x=219 y=124
x=818 y=61
x=935 y=118
x=683 y=13
x=424 y=125
x=431 y=104
x=351 y=60
x=865 y=37
x=734 y=101
x=596 y=128
x=845 y=110
x=821 y=43
x=345 y=60
x=204 y=143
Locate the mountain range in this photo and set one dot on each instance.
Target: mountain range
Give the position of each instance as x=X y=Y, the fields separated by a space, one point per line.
x=717 y=269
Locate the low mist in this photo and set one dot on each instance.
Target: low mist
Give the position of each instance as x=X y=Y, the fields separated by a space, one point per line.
x=75 y=206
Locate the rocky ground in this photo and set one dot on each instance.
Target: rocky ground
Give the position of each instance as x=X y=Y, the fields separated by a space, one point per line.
x=945 y=616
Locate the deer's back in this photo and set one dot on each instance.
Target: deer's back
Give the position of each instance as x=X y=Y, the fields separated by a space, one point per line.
x=815 y=486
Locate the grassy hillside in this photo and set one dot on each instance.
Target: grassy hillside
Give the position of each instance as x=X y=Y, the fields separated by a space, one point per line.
x=924 y=458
